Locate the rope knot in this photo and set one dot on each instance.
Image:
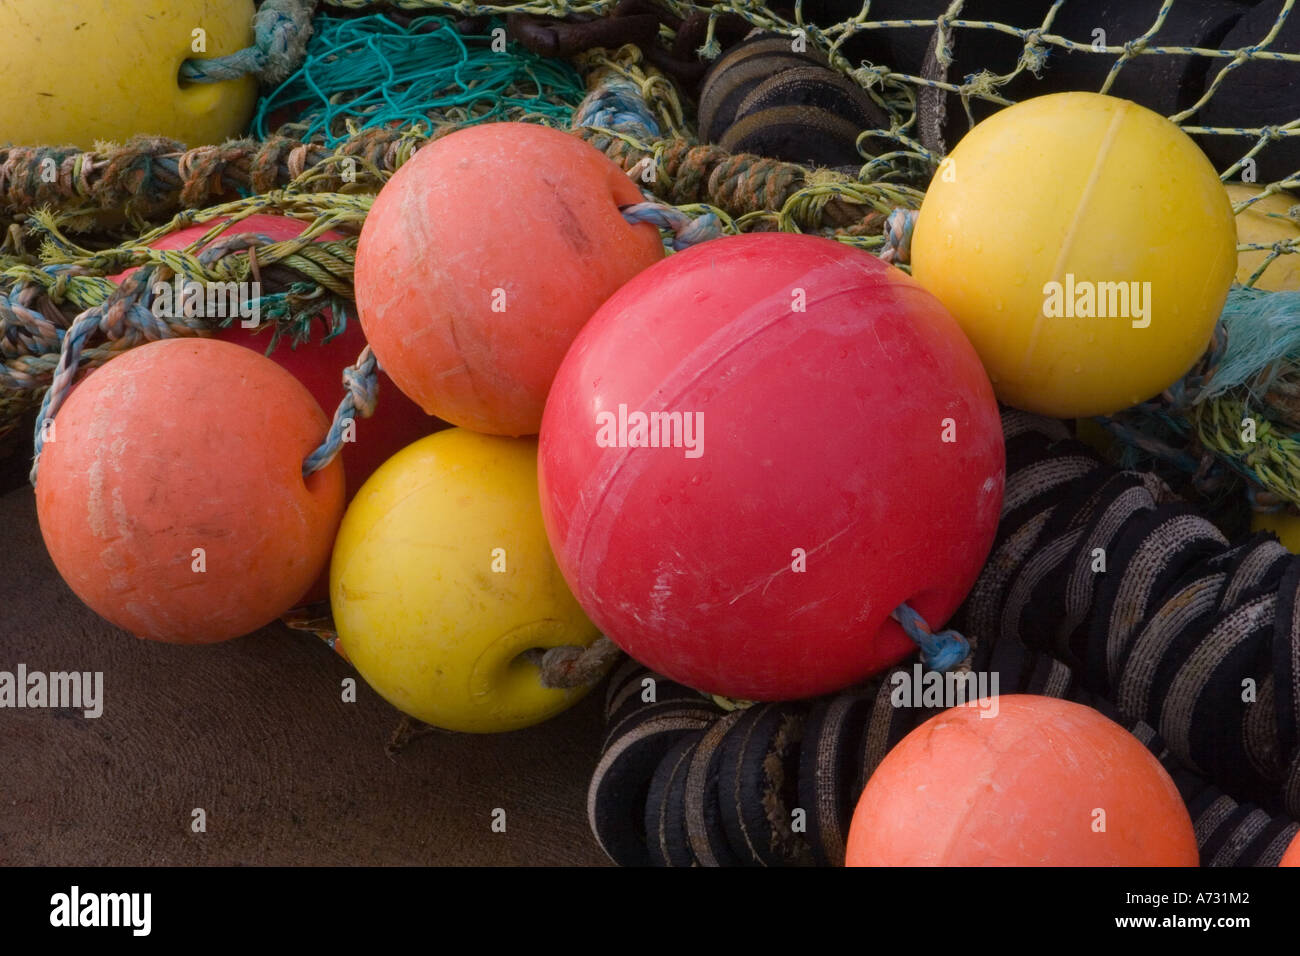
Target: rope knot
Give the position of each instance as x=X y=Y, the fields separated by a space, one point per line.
x=361 y=379
x=1034 y=56
x=617 y=104
x=687 y=231
x=281 y=29
x=1133 y=47
x=940 y=652
x=363 y=387
x=898 y=236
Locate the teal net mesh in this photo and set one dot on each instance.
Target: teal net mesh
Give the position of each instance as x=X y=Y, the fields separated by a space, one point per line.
x=370 y=71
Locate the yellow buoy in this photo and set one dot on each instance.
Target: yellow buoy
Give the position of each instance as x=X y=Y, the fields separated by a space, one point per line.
x=1285 y=524
x=442 y=578
x=1085 y=245
x=81 y=71
x=1266 y=222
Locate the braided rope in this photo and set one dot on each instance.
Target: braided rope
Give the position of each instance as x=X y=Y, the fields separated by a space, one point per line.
x=940 y=651
x=281 y=29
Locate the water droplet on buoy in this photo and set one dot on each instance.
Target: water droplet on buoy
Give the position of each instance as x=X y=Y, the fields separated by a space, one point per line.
x=1078 y=369
x=979 y=246
x=997 y=305
x=948 y=241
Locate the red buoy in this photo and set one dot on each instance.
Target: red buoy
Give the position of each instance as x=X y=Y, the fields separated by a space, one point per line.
x=482 y=258
x=319 y=364
x=1036 y=782
x=171 y=496
x=755 y=451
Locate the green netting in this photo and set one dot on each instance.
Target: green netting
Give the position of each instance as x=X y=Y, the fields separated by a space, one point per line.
x=901 y=90
x=363 y=72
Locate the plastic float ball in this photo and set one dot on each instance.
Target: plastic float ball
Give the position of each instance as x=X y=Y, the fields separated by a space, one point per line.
x=442 y=578
x=1267 y=222
x=93 y=70
x=1285 y=524
x=1292 y=855
x=1085 y=245
x=171 y=495
x=319 y=364
x=1036 y=782
x=755 y=451
x=482 y=258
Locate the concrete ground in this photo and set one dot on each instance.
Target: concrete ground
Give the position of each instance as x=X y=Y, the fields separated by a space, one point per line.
x=253 y=732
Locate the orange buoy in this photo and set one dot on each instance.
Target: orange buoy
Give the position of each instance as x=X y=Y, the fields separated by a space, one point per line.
x=1292 y=855
x=1038 y=782
x=482 y=258
x=171 y=496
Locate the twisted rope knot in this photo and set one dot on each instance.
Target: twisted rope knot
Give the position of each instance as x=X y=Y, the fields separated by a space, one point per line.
x=1034 y=56
x=687 y=231
x=1134 y=47
x=709 y=50
x=363 y=387
x=570 y=666
x=869 y=77
x=898 y=236
x=617 y=104
x=281 y=29
x=362 y=382
x=940 y=652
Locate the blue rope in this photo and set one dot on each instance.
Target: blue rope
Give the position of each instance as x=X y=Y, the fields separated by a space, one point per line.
x=686 y=231
x=126 y=310
x=940 y=652
x=281 y=29
x=361 y=379
x=362 y=382
x=617 y=105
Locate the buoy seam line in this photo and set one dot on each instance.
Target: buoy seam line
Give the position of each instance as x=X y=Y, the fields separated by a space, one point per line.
x=1067 y=242
x=725 y=351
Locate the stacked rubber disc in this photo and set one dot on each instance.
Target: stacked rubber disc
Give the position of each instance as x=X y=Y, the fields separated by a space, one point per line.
x=765 y=96
x=682 y=781
x=1146 y=599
